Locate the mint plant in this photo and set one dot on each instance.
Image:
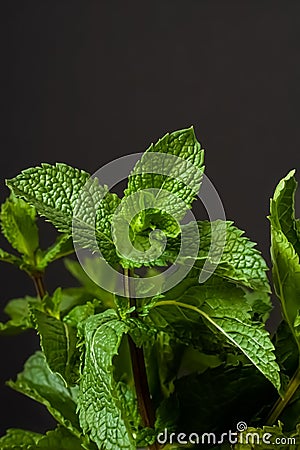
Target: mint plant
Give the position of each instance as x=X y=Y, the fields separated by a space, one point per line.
x=136 y=367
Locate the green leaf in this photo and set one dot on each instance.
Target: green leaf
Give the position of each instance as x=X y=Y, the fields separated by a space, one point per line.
x=222 y=308
x=288 y=359
x=261 y=304
x=19 y=226
x=80 y=313
x=163 y=358
x=95 y=268
x=61 y=439
x=285 y=259
x=62 y=247
x=51 y=304
x=229 y=253
x=58 y=341
x=173 y=323
x=20 y=317
x=72 y=201
x=129 y=402
x=79 y=273
x=19 y=439
x=72 y=297
x=286 y=276
x=180 y=176
x=219 y=398
x=47 y=388
x=100 y=406
x=140 y=332
x=282 y=209
x=240 y=261
x=252 y=339
x=161 y=188
x=92 y=220
x=194 y=361
x=232 y=255
x=143 y=247
x=53 y=190
x=9 y=258
x=286 y=350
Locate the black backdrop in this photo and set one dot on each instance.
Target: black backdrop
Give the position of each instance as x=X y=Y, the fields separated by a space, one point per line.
x=87 y=81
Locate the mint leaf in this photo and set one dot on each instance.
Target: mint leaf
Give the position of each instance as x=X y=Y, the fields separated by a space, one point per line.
x=61 y=439
x=218 y=398
x=251 y=338
x=140 y=235
x=286 y=352
x=172 y=321
x=232 y=255
x=222 y=308
x=140 y=331
x=194 y=361
x=129 y=403
x=282 y=209
x=163 y=358
x=92 y=219
x=39 y=383
x=70 y=199
x=285 y=259
x=20 y=317
x=179 y=178
x=72 y=297
x=58 y=341
x=19 y=439
x=80 y=313
x=286 y=276
x=9 y=258
x=144 y=436
x=240 y=261
x=19 y=226
x=62 y=247
x=105 y=214
x=95 y=268
x=79 y=273
x=100 y=406
x=161 y=188
x=261 y=304
x=51 y=304
x=53 y=190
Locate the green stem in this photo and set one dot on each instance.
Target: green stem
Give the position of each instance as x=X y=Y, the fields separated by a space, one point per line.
x=139 y=368
x=38 y=280
x=283 y=402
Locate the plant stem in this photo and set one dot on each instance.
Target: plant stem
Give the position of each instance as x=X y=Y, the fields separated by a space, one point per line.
x=38 y=279
x=139 y=368
x=141 y=384
x=282 y=402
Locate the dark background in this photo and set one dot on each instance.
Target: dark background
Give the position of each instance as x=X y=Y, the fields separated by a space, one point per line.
x=84 y=82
